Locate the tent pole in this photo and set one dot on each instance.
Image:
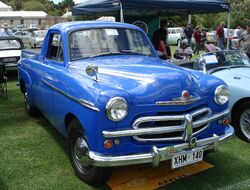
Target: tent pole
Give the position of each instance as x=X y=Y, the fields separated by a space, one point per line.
x=189 y=18
x=121 y=13
x=228 y=27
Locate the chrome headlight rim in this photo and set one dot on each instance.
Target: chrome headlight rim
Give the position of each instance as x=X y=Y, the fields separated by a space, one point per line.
x=217 y=94
x=111 y=103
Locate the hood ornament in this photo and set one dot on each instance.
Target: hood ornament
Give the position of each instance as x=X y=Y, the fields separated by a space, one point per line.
x=185 y=95
x=185 y=99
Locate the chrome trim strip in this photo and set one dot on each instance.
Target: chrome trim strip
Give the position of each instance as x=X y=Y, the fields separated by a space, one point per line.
x=159 y=130
x=211 y=118
x=157 y=118
x=188 y=128
x=146 y=131
x=178 y=102
x=154 y=157
x=83 y=102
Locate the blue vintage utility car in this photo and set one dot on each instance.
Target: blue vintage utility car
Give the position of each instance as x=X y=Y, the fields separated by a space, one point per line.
x=102 y=86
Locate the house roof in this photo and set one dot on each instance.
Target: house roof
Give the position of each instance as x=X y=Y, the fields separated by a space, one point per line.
x=5 y=7
x=23 y=14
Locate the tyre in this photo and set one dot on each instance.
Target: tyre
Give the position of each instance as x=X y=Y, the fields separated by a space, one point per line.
x=31 y=110
x=78 y=150
x=241 y=121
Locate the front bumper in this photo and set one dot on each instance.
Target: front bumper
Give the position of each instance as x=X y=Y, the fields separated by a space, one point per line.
x=158 y=154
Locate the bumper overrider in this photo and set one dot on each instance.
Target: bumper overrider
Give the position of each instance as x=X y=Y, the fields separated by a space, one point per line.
x=156 y=155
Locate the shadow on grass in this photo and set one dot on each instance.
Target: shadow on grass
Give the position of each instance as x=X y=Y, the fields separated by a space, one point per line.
x=42 y=121
x=12 y=76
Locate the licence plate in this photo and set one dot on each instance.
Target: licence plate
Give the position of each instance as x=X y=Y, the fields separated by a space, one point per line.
x=183 y=159
x=9 y=59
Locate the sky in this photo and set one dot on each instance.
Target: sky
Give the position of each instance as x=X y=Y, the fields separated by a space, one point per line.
x=57 y=1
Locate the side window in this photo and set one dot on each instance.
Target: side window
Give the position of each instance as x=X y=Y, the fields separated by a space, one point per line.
x=55 y=49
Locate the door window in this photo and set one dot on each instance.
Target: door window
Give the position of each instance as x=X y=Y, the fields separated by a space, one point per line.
x=55 y=48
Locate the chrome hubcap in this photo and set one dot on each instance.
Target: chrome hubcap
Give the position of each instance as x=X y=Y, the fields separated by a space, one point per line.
x=81 y=151
x=245 y=123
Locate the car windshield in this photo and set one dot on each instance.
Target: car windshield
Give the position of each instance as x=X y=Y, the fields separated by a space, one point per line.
x=225 y=59
x=108 y=41
x=9 y=44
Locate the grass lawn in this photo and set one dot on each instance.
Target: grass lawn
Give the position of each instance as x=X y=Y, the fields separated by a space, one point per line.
x=33 y=156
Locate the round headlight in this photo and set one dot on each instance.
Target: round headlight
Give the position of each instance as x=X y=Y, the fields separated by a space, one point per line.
x=117 y=109
x=221 y=95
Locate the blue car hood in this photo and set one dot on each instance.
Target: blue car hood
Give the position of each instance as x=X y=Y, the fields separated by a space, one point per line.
x=147 y=79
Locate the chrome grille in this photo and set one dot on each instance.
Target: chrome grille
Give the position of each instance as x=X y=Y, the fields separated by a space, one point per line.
x=174 y=127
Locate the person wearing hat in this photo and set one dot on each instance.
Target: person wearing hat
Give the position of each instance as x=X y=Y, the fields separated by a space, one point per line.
x=245 y=38
x=5 y=31
x=183 y=52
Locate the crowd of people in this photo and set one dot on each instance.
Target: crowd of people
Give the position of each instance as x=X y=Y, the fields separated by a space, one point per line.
x=186 y=51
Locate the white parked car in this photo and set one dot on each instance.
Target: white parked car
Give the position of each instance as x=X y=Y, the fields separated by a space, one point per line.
x=24 y=35
x=37 y=37
x=10 y=51
x=174 y=35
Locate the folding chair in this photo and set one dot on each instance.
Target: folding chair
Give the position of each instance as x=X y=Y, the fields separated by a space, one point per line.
x=3 y=82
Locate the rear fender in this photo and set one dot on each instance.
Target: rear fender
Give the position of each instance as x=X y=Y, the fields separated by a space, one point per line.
x=25 y=79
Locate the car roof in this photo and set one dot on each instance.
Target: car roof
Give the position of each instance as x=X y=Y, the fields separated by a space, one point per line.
x=78 y=25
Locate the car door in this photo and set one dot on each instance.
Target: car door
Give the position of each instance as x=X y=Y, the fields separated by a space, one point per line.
x=48 y=68
x=51 y=80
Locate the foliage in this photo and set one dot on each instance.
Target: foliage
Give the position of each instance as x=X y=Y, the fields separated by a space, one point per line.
x=239 y=15
x=41 y=5
x=33 y=6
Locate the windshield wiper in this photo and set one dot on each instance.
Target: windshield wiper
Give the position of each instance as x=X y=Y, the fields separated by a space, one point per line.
x=131 y=51
x=104 y=54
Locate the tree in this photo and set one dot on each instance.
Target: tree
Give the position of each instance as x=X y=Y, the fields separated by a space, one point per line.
x=33 y=6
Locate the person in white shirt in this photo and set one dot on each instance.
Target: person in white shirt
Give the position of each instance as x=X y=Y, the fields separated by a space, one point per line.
x=5 y=31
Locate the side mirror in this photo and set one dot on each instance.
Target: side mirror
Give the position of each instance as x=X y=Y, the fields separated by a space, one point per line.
x=92 y=71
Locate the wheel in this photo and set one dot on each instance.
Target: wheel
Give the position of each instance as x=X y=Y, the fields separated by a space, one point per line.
x=78 y=150
x=241 y=121
x=31 y=110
